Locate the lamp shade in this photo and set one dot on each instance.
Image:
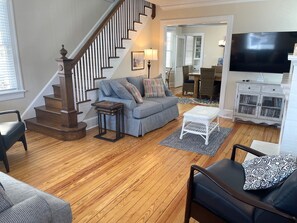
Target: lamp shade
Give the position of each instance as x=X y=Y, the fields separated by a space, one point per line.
x=151 y=54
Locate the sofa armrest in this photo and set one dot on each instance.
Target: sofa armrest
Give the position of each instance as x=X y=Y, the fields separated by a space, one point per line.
x=31 y=210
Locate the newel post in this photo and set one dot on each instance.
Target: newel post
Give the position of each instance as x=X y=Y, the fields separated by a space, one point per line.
x=68 y=112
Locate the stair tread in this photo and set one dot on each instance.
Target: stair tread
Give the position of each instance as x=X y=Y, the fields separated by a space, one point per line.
x=49 y=109
x=55 y=126
x=52 y=97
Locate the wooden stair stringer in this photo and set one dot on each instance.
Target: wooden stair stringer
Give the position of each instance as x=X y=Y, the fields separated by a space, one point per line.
x=121 y=53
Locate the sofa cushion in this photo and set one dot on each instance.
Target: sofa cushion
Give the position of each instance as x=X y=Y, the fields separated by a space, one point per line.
x=267 y=171
x=138 y=83
x=19 y=191
x=146 y=109
x=5 y=202
x=104 y=85
x=154 y=88
x=166 y=102
x=121 y=91
x=32 y=210
x=134 y=91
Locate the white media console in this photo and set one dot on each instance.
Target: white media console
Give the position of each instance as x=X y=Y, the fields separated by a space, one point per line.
x=259 y=102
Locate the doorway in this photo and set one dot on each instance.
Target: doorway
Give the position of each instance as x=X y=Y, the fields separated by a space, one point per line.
x=228 y=20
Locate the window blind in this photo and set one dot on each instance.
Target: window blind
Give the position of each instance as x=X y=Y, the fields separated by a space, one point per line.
x=8 y=79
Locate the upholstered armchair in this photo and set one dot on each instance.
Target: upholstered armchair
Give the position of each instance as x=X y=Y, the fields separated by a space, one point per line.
x=10 y=133
x=216 y=194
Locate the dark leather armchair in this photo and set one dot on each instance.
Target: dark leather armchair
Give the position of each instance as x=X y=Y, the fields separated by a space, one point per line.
x=216 y=195
x=10 y=133
x=188 y=85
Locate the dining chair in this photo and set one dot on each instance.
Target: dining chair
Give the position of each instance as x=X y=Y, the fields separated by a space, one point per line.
x=188 y=85
x=168 y=75
x=207 y=82
x=10 y=133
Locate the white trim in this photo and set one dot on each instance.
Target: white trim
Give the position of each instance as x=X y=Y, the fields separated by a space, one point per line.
x=178 y=5
x=12 y=94
x=91 y=122
x=195 y=21
x=47 y=89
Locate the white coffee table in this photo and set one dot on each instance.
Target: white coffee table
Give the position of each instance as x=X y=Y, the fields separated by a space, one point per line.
x=200 y=120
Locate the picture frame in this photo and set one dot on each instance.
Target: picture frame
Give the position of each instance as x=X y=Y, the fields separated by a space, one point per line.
x=137 y=60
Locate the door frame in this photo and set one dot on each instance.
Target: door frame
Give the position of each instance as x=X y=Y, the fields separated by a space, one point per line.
x=228 y=19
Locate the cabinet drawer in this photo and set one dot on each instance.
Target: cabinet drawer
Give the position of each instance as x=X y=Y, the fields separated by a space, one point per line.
x=249 y=87
x=272 y=89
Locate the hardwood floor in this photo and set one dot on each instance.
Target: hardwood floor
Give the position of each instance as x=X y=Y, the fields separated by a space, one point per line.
x=131 y=180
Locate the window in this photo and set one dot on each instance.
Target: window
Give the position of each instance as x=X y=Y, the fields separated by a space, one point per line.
x=10 y=81
x=169 y=49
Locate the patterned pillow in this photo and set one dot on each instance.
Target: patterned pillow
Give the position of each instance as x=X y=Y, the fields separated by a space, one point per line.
x=134 y=91
x=154 y=88
x=138 y=83
x=267 y=171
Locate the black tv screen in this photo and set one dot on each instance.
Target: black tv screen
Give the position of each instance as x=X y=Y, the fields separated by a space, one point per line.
x=265 y=52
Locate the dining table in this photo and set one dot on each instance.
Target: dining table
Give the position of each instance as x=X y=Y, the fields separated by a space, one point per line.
x=196 y=75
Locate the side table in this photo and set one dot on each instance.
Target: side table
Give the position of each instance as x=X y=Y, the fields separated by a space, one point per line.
x=200 y=121
x=116 y=109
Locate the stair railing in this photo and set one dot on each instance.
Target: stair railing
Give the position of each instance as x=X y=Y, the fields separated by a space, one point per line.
x=95 y=55
x=89 y=63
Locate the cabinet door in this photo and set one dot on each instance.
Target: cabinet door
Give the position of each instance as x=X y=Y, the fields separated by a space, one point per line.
x=271 y=107
x=247 y=104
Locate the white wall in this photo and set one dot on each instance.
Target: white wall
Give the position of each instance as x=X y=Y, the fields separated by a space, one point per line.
x=273 y=15
x=212 y=35
x=41 y=28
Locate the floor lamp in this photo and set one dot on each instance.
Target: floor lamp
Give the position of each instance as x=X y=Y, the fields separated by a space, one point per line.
x=150 y=54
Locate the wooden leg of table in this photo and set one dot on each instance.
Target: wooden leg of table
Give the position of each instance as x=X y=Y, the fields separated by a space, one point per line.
x=196 y=82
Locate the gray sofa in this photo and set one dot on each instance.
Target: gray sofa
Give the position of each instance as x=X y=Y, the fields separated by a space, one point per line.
x=139 y=118
x=21 y=203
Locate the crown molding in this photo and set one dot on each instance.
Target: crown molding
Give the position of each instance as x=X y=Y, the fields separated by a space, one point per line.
x=176 y=4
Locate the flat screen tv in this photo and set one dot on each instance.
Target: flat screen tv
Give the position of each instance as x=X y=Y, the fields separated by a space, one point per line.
x=263 y=52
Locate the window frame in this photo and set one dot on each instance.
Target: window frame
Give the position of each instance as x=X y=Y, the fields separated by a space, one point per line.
x=19 y=92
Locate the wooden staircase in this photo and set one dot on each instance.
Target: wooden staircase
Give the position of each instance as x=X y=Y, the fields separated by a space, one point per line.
x=58 y=117
x=49 y=118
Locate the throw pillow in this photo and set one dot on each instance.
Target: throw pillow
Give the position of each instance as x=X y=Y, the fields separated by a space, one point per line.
x=153 y=88
x=167 y=91
x=5 y=202
x=134 y=91
x=267 y=171
x=138 y=83
x=121 y=91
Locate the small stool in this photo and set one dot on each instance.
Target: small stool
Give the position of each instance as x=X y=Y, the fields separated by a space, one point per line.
x=200 y=121
x=116 y=109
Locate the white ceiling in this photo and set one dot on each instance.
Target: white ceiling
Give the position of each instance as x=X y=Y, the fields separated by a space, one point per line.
x=174 y=4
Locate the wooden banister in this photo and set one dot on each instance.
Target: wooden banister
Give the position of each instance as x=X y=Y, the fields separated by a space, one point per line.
x=96 y=33
x=68 y=112
x=94 y=56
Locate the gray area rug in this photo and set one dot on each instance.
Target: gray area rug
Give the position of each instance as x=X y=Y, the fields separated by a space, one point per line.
x=196 y=143
x=198 y=101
